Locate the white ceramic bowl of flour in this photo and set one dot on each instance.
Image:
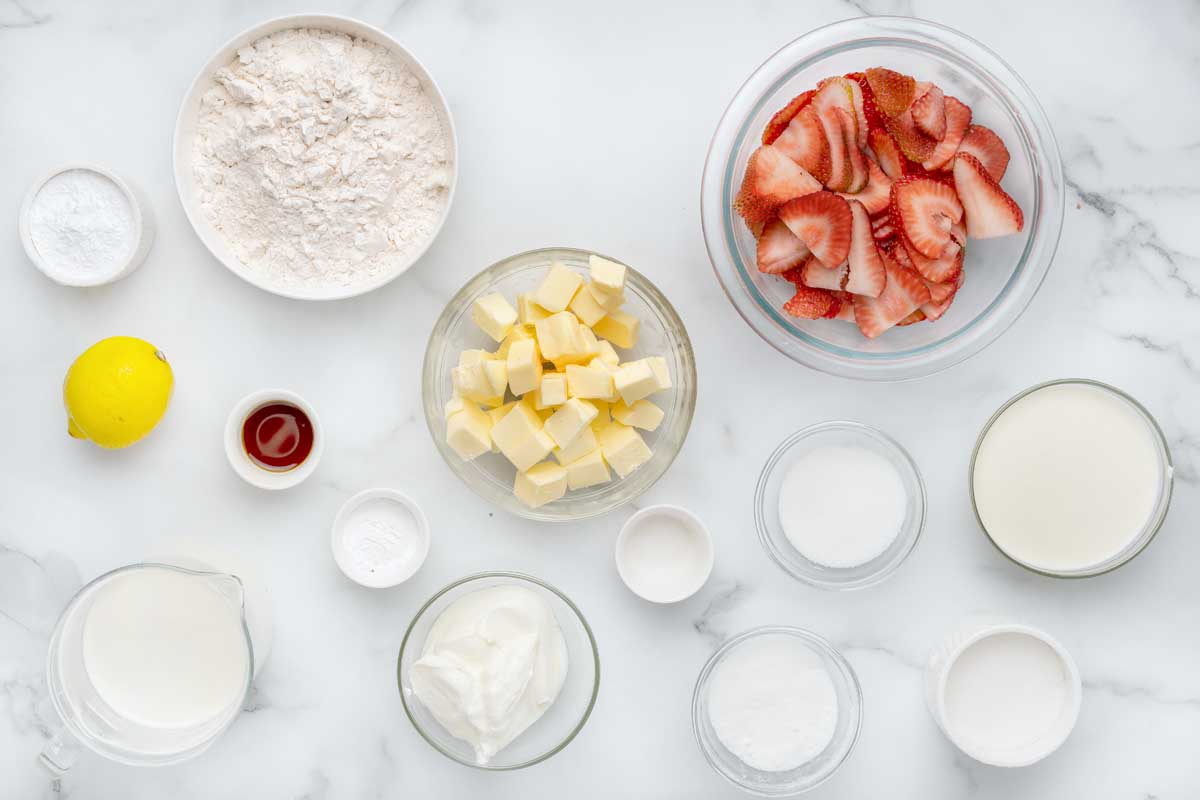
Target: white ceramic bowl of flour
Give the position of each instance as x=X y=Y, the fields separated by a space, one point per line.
x=328 y=284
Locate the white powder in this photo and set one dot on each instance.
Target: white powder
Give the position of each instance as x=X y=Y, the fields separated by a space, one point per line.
x=842 y=506
x=773 y=704
x=82 y=224
x=320 y=159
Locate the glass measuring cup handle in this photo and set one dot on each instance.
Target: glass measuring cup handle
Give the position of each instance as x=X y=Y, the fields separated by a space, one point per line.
x=60 y=753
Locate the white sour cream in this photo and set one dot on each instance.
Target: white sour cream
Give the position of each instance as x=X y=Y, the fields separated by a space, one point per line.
x=494 y=661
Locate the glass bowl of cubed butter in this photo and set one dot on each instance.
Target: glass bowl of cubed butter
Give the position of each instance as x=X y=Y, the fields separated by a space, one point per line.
x=559 y=384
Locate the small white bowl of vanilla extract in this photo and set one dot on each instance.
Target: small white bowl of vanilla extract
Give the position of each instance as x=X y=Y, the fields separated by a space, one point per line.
x=273 y=439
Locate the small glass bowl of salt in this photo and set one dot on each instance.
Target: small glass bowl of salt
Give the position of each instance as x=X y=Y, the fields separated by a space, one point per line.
x=839 y=505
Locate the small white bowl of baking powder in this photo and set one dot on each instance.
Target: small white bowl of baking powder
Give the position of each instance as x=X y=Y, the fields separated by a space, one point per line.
x=664 y=554
x=380 y=538
x=81 y=225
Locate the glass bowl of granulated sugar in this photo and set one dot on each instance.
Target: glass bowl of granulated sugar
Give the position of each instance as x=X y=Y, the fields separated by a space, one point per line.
x=315 y=157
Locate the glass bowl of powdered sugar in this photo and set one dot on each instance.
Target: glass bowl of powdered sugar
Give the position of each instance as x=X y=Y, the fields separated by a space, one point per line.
x=839 y=505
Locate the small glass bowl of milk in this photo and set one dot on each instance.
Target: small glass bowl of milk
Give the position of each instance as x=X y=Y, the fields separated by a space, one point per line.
x=1071 y=478
x=839 y=505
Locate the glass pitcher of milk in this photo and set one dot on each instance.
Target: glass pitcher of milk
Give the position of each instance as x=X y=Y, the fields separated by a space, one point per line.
x=148 y=665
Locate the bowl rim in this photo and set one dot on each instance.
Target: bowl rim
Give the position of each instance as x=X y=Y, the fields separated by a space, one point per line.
x=928 y=359
x=858 y=428
x=517 y=577
x=184 y=124
x=814 y=641
x=1153 y=524
x=433 y=415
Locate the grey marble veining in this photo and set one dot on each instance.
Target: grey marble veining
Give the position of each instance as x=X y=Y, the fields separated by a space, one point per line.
x=587 y=124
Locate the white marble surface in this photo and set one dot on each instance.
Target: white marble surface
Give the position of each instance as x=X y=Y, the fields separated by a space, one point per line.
x=587 y=124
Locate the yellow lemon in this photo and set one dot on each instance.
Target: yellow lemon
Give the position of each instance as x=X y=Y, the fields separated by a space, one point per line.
x=117 y=391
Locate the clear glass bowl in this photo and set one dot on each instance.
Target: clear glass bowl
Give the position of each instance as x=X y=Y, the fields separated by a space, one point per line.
x=1003 y=274
x=661 y=332
x=770 y=528
x=803 y=778
x=562 y=721
x=1153 y=523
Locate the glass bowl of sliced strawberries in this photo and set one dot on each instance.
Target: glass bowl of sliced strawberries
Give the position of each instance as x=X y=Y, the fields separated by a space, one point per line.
x=882 y=199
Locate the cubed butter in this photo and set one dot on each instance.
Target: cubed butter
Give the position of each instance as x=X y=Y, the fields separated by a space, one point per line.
x=642 y=414
x=607 y=354
x=603 y=413
x=585 y=306
x=454 y=405
x=662 y=374
x=557 y=335
x=474 y=383
x=634 y=381
x=524 y=366
x=555 y=291
x=588 y=470
x=468 y=358
x=569 y=420
x=493 y=314
x=589 y=383
x=551 y=391
x=609 y=302
x=495 y=415
x=496 y=372
x=469 y=432
x=607 y=276
x=540 y=484
x=584 y=443
x=623 y=447
x=619 y=328
x=520 y=437
x=528 y=311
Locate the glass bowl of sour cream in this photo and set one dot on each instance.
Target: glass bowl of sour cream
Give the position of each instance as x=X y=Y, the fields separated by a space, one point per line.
x=514 y=642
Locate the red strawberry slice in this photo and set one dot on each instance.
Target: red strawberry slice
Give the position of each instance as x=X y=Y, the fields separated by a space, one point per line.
x=926 y=210
x=874 y=118
x=899 y=252
x=887 y=152
x=867 y=275
x=940 y=291
x=803 y=141
x=859 y=174
x=929 y=111
x=882 y=228
x=822 y=220
x=810 y=303
x=958 y=119
x=860 y=113
x=771 y=179
x=846 y=310
x=936 y=307
x=816 y=276
x=990 y=211
x=894 y=92
x=984 y=144
x=779 y=249
x=941 y=269
x=877 y=193
x=795 y=274
x=904 y=294
x=911 y=319
x=783 y=116
x=914 y=143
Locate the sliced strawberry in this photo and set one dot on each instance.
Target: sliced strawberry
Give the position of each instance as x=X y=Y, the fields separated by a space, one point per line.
x=771 y=179
x=899 y=252
x=832 y=126
x=937 y=270
x=783 y=116
x=937 y=306
x=846 y=310
x=859 y=175
x=882 y=228
x=795 y=274
x=984 y=144
x=958 y=119
x=874 y=117
x=914 y=143
x=779 y=249
x=926 y=210
x=940 y=291
x=840 y=301
x=894 y=92
x=816 y=276
x=887 y=152
x=803 y=141
x=823 y=221
x=903 y=294
x=990 y=211
x=860 y=113
x=929 y=112
x=810 y=303
x=877 y=193
x=911 y=319
x=867 y=275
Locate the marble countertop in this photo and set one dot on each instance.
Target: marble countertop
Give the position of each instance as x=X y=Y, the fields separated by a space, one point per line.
x=587 y=124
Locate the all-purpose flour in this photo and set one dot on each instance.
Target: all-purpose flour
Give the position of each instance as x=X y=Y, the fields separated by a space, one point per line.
x=320 y=159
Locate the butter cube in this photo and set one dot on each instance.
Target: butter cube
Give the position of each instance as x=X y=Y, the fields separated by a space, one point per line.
x=607 y=276
x=518 y=333
x=584 y=443
x=469 y=432
x=589 y=470
x=570 y=420
x=607 y=354
x=634 y=381
x=494 y=315
x=557 y=335
x=557 y=288
x=454 y=405
x=551 y=391
x=623 y=448
x=541 y=484
x=497 y=414
x=585 y=306
x=497 y=376
x=528 y=311
x=588 y=383
x=520 y=437
x=474 y=382
x=469 y=358
x=619 y=328
x=662 y=375
x=524 y=365
x=603 y=414
x=609 y=302
x=642 y=414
